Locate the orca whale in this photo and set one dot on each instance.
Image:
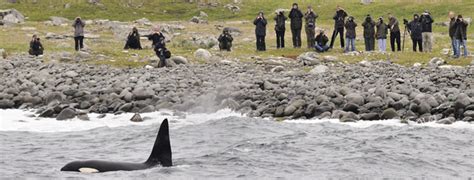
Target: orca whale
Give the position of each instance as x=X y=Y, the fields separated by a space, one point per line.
x=160 y=155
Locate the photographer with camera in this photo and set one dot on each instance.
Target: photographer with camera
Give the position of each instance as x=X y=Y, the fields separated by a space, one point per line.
x=296 y=17
x=394 y=32
x=452 y=31
x=461 y=36
x=36 y=48
x=79 y=33
x=339 y=20
x=381 y=35
x=260 y=31
x=350 y=34
x=415 y=29
x=159 y=46
x=310 y=16
x=280 y=29
x=427 y=32
x=369 y=33
x=225 y=40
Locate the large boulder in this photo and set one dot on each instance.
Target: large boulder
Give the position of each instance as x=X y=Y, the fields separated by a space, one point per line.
x=58 y=21
x=390 y=113
x=309 y=58
x=67 y=113
x=12 y=16
x=179 y=60
x=319 y=69
x=355 y=98
x=202 y=54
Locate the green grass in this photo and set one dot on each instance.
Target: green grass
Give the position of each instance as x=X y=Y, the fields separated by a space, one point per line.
x=15 y=40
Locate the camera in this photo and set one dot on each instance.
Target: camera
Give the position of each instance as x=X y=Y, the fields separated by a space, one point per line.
x=405 y=21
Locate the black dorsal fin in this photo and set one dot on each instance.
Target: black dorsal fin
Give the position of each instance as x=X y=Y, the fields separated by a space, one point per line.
x=161 y=153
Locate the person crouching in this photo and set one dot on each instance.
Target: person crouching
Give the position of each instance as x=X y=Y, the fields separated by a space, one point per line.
x=225 y=40
x=133 y=40
x=36 y=48
x=321 y=41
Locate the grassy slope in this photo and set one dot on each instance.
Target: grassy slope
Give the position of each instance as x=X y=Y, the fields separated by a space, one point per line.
x=165 y=10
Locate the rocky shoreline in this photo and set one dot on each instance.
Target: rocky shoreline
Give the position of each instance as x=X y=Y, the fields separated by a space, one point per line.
x=279 y=88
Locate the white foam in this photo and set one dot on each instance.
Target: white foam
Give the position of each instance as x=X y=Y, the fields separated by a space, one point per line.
x=392 y=122
x=19 y=120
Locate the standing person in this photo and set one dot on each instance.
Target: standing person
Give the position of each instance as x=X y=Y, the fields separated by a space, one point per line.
x=260 y=31
x=36 y=48
x=350 y=34
x=381 y=35
x=427 y=35
x=395 y=35
x=415 y=29
x=296 y=17
x=159 y=45
x=280 y=29
x=452 y=31
x=310 y=16
x=133 y=40
x=461 y=36
x=339 y=19
x=79 y=33
x=321 y=42
x=369 y=33
x=225 y=40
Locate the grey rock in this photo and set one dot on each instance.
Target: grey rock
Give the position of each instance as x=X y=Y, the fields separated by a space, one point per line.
x=202 y=54
x=389 y=113
x=83 y=117
x=58 y=21
x=349 y=117
x=127 y=107
x=469 y=113
x=47 y=113
x=179 y=60
x=4 y=104
x=278 y=69
x=71 y=74
x=448 y=120
x=370 y=116
x=67 y=113
x=355 y=98
x=147 y=109
x=436 y=61
x=319 y=69
x=136 y=118
x=351 y=107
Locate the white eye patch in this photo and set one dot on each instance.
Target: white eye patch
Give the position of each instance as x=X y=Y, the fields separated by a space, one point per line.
x=88 y=170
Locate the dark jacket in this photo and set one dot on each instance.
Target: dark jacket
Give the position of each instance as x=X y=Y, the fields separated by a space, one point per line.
x=461 y=30
x=133 y=41
x=393 y=25
x=280 y=22
x=339 y=19
x=260 y=26
x=452 y=28
x=296 y=17
x=350 y=29
x=36 y=48
x=310 y=19
x=415 y=28
x=78 y=28
x=382 y=30
x=369 y=28
x=226 y=39
x=321 y=40
x=158 y=40
x=426 y=22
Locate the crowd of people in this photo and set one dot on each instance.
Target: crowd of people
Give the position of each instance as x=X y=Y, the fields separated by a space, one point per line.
x=345 y=26
x=420 y=30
